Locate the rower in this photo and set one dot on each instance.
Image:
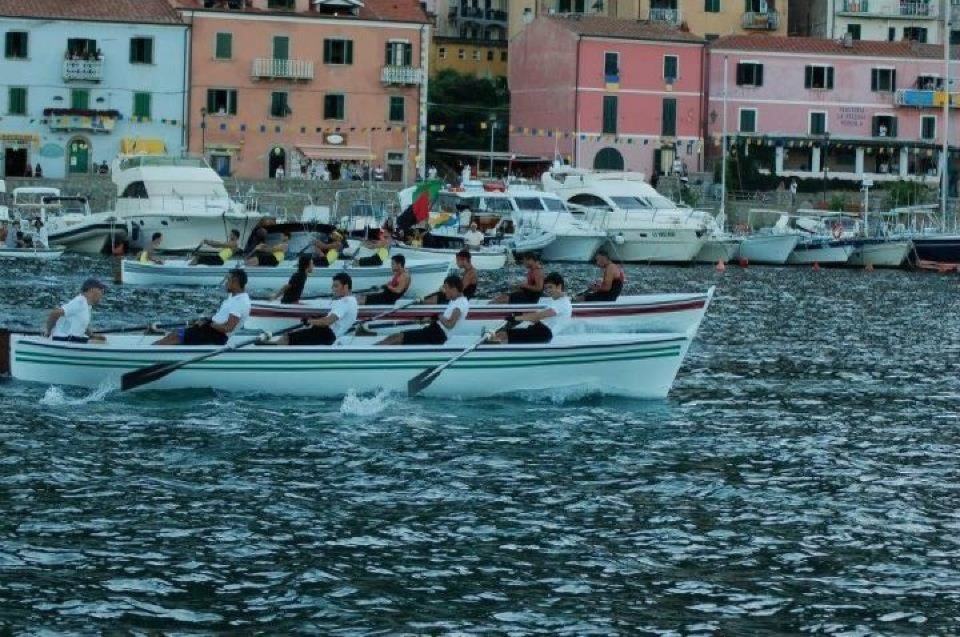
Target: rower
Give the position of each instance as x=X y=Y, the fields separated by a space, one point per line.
x=338 y=321
x=149 y=254
x=468 y=276
x=396 y=288
x=545 y=323
x=216 y=330
x=531 y=289
x=440 y=327
x=376 y=250
x=608 y=289
x=293 y=290
x=269 y=255
x=227 y=249
x=71 y=322
x=326 y=252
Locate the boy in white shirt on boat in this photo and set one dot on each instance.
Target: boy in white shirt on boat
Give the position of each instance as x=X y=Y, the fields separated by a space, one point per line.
x=544 y=324
x=71 y=322
x=216 y=330
x=338 y=321
x=440 y=327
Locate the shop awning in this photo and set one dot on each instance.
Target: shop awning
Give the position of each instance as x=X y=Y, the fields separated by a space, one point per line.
x=19 y=138
x=222 y=149
x=142 y=146
x=336 y=153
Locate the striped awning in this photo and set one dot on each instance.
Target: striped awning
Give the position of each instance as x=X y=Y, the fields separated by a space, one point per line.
x=336 y=153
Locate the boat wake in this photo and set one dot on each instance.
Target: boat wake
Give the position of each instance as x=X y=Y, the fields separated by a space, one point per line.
x=54 y=396
x=354 y=405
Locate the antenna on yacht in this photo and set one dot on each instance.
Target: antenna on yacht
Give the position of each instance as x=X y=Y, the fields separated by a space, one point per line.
x=723 y=164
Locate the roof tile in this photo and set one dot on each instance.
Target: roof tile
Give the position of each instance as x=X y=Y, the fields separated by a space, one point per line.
x=822 y=46
x=387 y=10
x=604 y=27
x=143 y=11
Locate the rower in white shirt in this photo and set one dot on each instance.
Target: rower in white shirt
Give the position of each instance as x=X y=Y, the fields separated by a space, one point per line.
x=217 y=329
x=440 y=327
x=544 y=324
x=338 y=321
x=71 y=322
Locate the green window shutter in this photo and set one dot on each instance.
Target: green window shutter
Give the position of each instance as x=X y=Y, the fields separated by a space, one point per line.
x=808 y=77
x=408 y=54
x=141 y=105
x=670 y=66
x=327 y=49
x=669 y=117
x=281 y=47
x=610 y=114
x=224 y=46
x=396 y=109
x=18 y=101
x=211 y=101
x=830 y=77
x=874 y=79
x=232 y=102
x=80 y=99
x=278 y=104
x=758 y=74
x=348 y=55
x=388 y=58
x=8 y=45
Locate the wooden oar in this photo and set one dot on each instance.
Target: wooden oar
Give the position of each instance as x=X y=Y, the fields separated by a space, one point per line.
x=106 y=330
x=358 y=324
x=423 y=380
x=155 y=372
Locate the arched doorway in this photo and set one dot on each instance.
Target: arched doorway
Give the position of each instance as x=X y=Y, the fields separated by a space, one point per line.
x=278 y=159
x=608 y=159
x=78 y=156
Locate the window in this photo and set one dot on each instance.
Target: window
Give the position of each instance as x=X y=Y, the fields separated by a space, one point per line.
x=818 y=77
x=442 y=53
x=16 y=45
x=80 y=99
x=928 y=127
x=400 y=54
x=915 y=34
x=338 y=51
x=461 y=54
x=17 y=103
x=141 y=105
x=476 y=54
x=141 y=50
x=397 y=113
x=611 y=65
x=609 y=115
x=671 y=68
x=224 y=46
x=711 y=6
x=749 y=74
x=503 y=56
x=818 y=123
x=135 y=190
x=281 y=47
x=278 y=104
x=954 y=36
x=221 y=101
x=81 y=48
x=883 y=80
x=710 y=37
x=669 y=127
x=490 y=55
x=891 y=34
x=748 y=120
x=281 y=4
x=854 y=31
x=333 y=106
x=884 y=126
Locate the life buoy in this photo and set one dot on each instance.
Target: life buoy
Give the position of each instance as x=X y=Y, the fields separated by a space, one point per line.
x=837 y=231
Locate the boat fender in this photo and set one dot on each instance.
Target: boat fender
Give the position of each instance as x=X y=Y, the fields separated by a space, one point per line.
x=144 y=259
x=4 y=352
x=618 y=239
x=837 y=231
x=384 y=255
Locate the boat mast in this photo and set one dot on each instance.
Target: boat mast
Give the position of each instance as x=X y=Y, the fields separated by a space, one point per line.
x=723 y=164
x=945 y=158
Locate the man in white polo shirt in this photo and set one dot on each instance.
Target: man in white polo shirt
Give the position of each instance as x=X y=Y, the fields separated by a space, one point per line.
x=338 y=321
x=217 y=329
x=71 y=322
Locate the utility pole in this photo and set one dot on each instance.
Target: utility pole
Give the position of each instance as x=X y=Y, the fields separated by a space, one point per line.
x=945 y=154
x=493 y=127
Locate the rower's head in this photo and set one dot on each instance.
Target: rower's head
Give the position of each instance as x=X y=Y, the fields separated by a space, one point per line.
x=452 y=287
x=464 y=259
x=156 y=238
x=473 y=226
x=236 y=281
x=601 y=258
x=93 y=290
x=342 y=284
x=305 y=263
x=531 y=259
x=234 y=235
x=553 y=285
x=397 y=263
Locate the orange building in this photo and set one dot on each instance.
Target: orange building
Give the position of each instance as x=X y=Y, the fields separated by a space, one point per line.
x=309 y=87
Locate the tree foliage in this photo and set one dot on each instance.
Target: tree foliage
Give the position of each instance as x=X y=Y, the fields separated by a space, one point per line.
x=460 y=110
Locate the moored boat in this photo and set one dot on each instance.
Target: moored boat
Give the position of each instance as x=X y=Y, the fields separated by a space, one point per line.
x=822 y=250
x=880 y=252
x=31 y=254
x=426 y=276
x=485 y=258
x=676 y=313
x=632 y=365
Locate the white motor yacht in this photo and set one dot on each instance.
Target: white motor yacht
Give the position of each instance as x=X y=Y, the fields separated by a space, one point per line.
x=181 y=197
x=641 y=224
x=67 y=221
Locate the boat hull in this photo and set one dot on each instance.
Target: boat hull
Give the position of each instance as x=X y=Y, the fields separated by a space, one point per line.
x=87 y=238
x=880 y=254
x=715 y=250
x=183 y=233
x=637 y=366
x=486 y=259
x=771 y=249
x=666 y=245
x=674 y=313
x=31 y=254
x=572 y=248
x=941 y=249
x=426 y=276
x=826 y=252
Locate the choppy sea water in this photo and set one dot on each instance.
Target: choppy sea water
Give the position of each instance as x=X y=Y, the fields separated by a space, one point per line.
x=803 y=477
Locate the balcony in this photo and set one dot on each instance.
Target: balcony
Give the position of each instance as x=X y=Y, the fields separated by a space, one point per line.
x=479 y=14
x=82 y=70
x=924 y=98
x=855 y=6
x=273 y=69
x=916 y=9
x=905 y=9
x=668 y=16
x=764 y=20
x=401 y=75
x=81 y=119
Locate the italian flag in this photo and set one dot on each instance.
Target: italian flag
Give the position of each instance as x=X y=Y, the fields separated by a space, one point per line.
x=425 y=193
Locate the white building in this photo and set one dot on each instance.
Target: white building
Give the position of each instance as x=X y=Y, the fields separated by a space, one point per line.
x=81 y=79
x=880 y=20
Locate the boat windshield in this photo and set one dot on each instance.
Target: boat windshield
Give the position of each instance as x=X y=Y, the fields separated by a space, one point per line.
x=639 y=202
x=554 y=205
x=529 y=203
x=494 y=204
x=142 y=161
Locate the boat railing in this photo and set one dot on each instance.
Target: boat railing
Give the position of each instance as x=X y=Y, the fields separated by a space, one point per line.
x=175 y=204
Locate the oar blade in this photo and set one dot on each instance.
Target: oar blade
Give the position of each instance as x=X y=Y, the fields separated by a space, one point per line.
x=144 y=375
x=421 y=381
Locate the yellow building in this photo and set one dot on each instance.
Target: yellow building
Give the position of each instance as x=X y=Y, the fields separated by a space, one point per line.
x=708 y=18
x=481 y=58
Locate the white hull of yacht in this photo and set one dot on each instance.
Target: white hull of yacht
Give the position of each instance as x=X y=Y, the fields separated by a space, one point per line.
x=885 y=254
x=718 y=249
x=821 y=252
x=771 y=249
x=86 y=237
x=184 y=232
x=657 y=246
x=572 y=248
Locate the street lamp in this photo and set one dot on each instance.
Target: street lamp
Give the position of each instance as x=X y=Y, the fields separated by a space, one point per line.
x=203 y=131
x=493 y=126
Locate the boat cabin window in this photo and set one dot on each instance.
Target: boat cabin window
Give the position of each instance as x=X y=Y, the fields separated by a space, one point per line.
x=494 y=204
x=447 y=203
x=529 y=203
x=630 y=203
x=657 y=201
x=554 y=205
x=589 y=201
x=135 y=190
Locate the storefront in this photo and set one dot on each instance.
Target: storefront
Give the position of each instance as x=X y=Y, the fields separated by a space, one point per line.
x=18 y=153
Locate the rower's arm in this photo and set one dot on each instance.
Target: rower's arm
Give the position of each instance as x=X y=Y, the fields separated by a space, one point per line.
x=227 y=327
x=607 y=283
x=451 y=322
x=402 y=285
x=52 y=319
x=325 y=321
x=539 y=315
x=280 y=292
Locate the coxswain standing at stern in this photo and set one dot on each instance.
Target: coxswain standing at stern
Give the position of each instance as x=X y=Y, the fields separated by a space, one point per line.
x=71 y=322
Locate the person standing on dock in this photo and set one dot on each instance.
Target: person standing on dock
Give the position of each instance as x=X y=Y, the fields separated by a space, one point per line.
x=216 y=330
x=71 y=322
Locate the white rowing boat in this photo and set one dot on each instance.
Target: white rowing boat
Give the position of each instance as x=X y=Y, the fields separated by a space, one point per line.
x=675 y=313
x=632 y=365
x=426 y=276
x=486 y=258
x=31 y=254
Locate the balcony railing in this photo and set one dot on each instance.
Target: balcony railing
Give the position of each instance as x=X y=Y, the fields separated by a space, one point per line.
x=761 y=20
x=82 y=70
x=282 y=69
x=670 y=16
x=479 y=14
x=891 y=8
x=924 y=98
x=401 y=75
x=912 y=8
x=855 y=6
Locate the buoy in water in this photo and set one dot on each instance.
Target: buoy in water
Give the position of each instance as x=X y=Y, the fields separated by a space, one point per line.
x=721 y=266
x=816 y=266
x=743 y=262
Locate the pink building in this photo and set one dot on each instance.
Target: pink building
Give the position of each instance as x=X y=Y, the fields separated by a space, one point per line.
x=607 y=93
x=856 y=109
x=307 y=85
